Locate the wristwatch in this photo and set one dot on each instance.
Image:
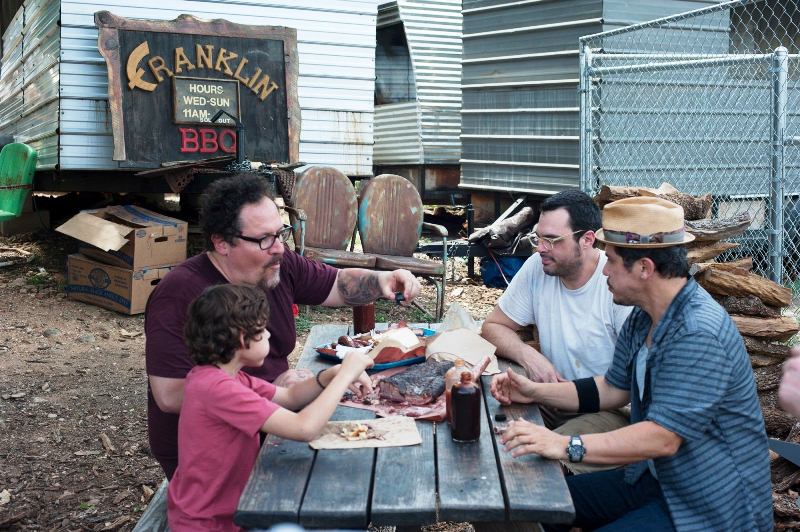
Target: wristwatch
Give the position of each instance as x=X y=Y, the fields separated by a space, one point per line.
x=575 y=449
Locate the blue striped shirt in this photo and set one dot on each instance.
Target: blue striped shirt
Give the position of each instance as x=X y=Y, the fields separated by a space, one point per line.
x=699 y=385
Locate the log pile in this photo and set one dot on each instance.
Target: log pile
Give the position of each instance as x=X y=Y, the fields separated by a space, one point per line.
x=756 y=306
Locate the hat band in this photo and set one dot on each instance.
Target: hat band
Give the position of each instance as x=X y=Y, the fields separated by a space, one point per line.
x=623 y=237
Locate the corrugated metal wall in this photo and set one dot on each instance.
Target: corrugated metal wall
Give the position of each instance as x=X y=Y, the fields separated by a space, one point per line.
x=433 y=33
x=29 y=79
x=336 y=41
x=520 y=86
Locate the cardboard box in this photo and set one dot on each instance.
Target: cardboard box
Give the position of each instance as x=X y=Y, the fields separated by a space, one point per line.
x=109 y=286
x=128 y=236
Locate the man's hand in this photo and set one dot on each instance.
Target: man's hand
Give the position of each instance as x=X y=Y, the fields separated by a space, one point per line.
x=539 y=369
x=523 y=437
x=402 y=281
x=510 y=387
x=500 y=330
x=789 y=391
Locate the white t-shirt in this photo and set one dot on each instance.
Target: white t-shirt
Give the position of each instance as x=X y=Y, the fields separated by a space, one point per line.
x=577 y=328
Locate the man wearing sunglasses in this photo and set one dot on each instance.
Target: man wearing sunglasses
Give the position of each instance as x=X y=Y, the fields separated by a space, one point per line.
x=563 y=291
x=245 y=245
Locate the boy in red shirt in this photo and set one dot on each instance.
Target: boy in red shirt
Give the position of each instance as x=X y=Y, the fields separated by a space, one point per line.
x=224 y=409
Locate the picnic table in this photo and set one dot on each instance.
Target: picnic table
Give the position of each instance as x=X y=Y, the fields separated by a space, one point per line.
x=350 y=488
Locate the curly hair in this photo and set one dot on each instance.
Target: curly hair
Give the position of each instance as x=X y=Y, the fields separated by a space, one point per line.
x=222 y=203
x=219 y=317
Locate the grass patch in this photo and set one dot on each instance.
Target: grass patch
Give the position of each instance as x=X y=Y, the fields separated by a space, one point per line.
x=390 y=312
x=303 y=323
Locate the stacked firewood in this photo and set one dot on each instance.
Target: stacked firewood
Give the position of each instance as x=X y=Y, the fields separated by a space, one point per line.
x=756 y=306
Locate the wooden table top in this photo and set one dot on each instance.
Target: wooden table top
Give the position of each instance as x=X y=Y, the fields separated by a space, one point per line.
x=351 y=488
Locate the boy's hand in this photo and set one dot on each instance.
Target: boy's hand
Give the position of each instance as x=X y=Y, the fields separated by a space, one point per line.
x=355 y=363
x=362 y=386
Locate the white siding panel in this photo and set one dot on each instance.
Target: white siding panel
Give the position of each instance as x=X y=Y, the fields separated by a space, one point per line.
x=337 y=127
x=13 y=35
x=46 y=149
x=398 y=139
x=83 y=116
x=38 y=123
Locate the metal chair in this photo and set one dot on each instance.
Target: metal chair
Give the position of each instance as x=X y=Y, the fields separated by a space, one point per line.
x=329 y=202
x=390 y=223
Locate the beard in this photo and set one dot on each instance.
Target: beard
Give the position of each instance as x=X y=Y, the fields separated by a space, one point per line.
x=271 y=278
x=564 y=268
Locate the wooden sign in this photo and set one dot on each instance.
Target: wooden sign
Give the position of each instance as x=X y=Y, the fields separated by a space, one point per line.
x=167 y=79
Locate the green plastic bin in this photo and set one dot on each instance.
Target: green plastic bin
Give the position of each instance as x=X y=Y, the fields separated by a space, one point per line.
x=17 y=166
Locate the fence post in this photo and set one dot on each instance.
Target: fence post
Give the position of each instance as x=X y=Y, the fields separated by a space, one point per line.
x=585 y=89
x=780 y=70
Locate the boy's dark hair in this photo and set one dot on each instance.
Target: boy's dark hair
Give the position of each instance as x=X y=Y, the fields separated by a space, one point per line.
x=219 y=316
x=584 y=214
x=222 y=203
x=671 y=262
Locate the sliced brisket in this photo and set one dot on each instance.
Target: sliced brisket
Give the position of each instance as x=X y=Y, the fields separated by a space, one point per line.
x=420 y=384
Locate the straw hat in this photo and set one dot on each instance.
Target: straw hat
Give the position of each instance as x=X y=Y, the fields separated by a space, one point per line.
x=643 y=222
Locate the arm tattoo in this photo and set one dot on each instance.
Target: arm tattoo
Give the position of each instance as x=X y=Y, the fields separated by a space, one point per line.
x=358 y=287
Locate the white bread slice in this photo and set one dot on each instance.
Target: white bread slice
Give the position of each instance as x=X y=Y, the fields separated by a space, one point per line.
x=396 y=344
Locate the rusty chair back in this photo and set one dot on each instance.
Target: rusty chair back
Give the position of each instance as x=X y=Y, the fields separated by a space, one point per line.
x=390 y=223
x=329 y=203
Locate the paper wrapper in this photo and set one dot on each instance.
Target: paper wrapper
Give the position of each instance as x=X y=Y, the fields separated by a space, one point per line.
x=465 y=344
x=396 y=431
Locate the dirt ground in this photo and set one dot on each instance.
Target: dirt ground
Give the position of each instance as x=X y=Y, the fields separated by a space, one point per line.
x=73 y=395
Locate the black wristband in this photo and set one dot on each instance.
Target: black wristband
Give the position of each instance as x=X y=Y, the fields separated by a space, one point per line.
x=588 y=395
x=317 y=378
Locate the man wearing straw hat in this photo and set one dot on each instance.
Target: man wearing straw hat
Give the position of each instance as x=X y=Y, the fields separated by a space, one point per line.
x=696 y=446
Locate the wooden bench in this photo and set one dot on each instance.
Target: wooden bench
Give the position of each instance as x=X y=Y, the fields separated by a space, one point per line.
x=154 y=518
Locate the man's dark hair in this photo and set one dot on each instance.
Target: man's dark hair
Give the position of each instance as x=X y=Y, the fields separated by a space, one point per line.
x=219 y=316
x=671 y=262
x=222 y=203
x=584 y=214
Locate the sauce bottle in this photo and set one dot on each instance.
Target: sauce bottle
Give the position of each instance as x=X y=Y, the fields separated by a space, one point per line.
x=363 y=318
x=452 y=377
x=466 y=406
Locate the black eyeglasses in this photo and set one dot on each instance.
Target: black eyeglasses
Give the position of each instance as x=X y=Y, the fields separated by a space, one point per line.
x=268 y=240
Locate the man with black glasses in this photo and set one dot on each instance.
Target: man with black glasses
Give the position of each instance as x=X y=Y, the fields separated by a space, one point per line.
x=563 y=291
x=245 y=245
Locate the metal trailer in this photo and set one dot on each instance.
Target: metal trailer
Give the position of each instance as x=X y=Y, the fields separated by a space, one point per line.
x=54 y=83
x=709 y=101
x=520 y=115
x=418 y=93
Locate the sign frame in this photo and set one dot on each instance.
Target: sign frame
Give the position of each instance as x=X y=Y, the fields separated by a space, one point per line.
x=108 y=41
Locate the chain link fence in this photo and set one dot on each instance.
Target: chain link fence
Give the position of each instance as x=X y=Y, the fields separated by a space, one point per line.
x=708 y=101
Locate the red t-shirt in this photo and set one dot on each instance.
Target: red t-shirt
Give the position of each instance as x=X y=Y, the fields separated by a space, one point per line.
x=303 y=281
x=218 y=443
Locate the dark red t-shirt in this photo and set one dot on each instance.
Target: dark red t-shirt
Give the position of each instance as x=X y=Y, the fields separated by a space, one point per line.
x=302 y=281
